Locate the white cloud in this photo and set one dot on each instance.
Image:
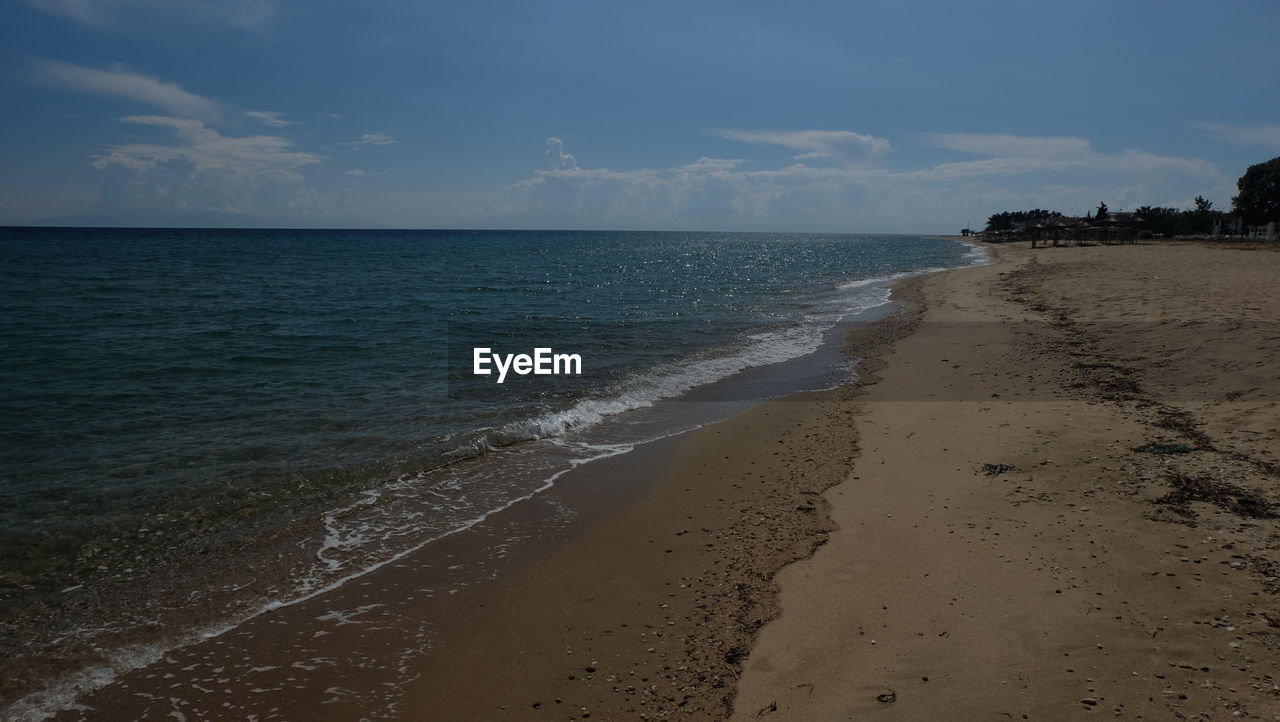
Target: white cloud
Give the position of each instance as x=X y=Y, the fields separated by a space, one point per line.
x=724 y=193
x=1263 y=135
x=987 y=167
x=1142 y=162
x=1021 y=154
x=556 y=156
x=206 y=170
x=206 y=149
x=119 y=83
x=381 y=139
x=243 y=14
x=357 y=173
x=842 y=145
x=711 y=164
x=270 y=118
x=1014 y=146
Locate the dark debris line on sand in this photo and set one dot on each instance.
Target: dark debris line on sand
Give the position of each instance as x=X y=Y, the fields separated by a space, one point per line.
x=1101 y=378
x=1242 y=502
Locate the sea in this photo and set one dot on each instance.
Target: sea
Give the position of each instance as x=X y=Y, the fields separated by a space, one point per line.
x=197 y=426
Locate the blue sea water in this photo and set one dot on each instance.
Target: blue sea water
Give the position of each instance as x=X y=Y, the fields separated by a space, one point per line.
x=168 y=394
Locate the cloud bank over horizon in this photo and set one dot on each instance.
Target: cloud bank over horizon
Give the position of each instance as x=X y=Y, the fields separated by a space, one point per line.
x=265 y=175
x=852 y=196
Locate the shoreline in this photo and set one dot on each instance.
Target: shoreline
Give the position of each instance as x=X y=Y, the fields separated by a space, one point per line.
x=651 y=612
x=1035 y=572
x=968 y=526
x=437 y=590
x=216 y=573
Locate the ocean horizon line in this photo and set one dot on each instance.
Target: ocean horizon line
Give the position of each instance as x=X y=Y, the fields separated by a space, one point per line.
x=513 y=229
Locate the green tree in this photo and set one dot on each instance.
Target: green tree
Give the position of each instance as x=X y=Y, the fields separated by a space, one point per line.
x=1161 y=221
x=1259 y=199
x=1201 y=219
x=1012 y=220
x=1102 y=211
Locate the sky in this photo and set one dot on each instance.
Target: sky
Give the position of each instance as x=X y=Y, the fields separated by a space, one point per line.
x=876 y=117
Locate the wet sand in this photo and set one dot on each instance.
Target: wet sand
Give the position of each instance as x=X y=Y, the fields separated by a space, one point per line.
x=650 y=613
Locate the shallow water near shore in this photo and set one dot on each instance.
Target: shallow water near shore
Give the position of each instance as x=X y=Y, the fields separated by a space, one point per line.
x=230 y=421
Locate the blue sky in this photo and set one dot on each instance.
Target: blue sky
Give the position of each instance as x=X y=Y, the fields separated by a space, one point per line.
x=872 y=117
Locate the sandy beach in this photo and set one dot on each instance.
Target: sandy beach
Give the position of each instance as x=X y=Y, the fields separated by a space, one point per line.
x=1009 y=547
x=1050 y=494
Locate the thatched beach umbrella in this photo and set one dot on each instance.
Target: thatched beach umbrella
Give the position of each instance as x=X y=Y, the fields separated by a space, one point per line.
x=1055 y=230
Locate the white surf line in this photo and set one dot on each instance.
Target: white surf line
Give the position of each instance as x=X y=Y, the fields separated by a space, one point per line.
x=62 y=695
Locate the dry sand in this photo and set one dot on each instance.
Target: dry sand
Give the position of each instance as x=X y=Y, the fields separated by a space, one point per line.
x=1074 y=575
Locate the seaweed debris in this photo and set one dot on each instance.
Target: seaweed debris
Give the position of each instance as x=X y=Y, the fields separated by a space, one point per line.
x=1243 y=502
